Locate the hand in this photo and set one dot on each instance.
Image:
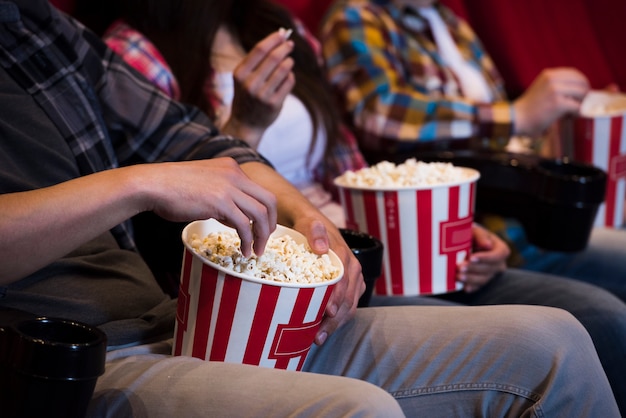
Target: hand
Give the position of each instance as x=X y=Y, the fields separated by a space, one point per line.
x=554 y=93
x=345 y=297
x=488 y=259
x=297 y=212
x=85 y=207
x=262 y=82
x=219 y=189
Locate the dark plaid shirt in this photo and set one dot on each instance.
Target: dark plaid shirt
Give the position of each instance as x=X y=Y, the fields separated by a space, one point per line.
x=108 y=114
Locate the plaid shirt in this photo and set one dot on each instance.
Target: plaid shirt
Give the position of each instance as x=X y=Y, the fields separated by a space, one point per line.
x=108 y=114
x=142 y=54
x=383 y=61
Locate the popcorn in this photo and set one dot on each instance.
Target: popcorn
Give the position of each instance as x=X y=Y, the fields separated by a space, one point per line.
x=411 y=173
x=604 y=109
x=599 y=103
x=284 y=260
x=286 y=33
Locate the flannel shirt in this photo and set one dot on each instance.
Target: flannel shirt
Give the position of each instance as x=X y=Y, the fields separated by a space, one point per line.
x=109 y=115
x=138 y=51
x=143 y=56
x=384 y=63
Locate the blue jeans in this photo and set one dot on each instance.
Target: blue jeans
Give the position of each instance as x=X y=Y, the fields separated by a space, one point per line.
x=602 y=263
x=415 y=361
x=600 y=312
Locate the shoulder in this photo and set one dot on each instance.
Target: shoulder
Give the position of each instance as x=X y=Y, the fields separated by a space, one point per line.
x=123 y=38
x=356 y=14
x=141 y=54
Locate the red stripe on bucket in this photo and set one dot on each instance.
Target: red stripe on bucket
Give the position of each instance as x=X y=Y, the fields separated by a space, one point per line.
x=318 y=321
x=182 y=307
x=453 y=215
x=208 y=283
x=425 y=240
x=261 y=323
x=349 y=209
x=371 y=212
x=225 y=315
x=472 y=198
x=292 y=348
x=611 y=188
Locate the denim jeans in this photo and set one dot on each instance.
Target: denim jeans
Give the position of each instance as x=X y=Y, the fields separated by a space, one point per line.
x=600 y=312
x=602 y=262
x=452 y=361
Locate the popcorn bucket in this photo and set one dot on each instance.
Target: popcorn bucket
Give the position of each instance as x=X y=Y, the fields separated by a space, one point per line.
x=232 y=317
x=599 y=138
x=425 y=231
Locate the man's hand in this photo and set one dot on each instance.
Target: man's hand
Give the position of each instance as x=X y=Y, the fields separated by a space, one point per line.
x=556 y=92
x=219 y=189
x=345 y=298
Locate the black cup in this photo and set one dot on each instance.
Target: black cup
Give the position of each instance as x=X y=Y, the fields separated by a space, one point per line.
x=369 y=251
x=49 y=367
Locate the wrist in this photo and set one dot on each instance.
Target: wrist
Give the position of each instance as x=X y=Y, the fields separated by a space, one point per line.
x=241 y=130
x=139 y=187
x=520 y=120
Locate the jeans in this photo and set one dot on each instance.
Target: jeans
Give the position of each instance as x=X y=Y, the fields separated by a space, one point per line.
x=451 y=361
x=602 y=262
x=600 y=312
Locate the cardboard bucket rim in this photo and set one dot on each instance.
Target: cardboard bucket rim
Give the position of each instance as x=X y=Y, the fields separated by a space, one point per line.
x=279 y=231
x=474 y=175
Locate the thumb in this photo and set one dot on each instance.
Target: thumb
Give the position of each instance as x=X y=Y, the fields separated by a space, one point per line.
x=317 y=237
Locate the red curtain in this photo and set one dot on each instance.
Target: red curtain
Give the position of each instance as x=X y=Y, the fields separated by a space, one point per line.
x=310 y=12
x=524 y=37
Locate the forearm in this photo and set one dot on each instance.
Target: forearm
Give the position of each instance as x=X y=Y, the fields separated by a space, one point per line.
x=37 y=227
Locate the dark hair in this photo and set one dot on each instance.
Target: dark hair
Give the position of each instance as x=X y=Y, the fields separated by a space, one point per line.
x=183 y=31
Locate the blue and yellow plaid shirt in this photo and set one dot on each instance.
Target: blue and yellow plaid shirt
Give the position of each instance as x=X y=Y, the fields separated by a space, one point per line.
x=384 y=63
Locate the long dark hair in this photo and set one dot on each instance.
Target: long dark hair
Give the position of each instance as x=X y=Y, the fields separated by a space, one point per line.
x=184 y=31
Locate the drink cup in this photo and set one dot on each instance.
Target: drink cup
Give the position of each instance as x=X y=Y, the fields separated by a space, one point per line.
x=369 y=251
x=49 y=367
x=237 y=318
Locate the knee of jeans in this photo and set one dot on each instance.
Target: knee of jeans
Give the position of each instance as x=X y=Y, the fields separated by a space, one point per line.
x=557 y=328
x=363 y=399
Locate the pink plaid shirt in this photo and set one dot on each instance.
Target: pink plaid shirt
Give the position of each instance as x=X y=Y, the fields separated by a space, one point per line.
x=143 y=56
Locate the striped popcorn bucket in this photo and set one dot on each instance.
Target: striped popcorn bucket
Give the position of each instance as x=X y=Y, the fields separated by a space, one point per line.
x=426 y=232
x=599 y=139
x=226 y=316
